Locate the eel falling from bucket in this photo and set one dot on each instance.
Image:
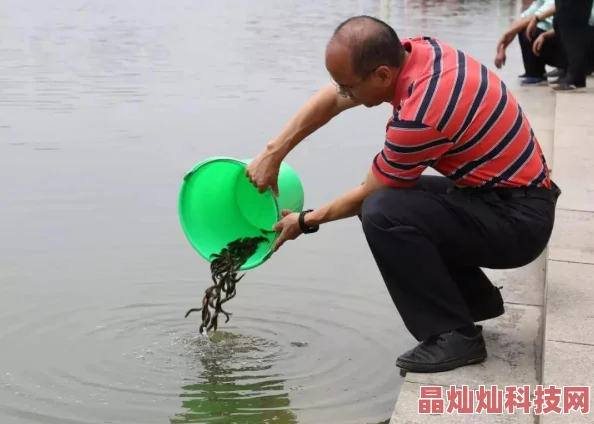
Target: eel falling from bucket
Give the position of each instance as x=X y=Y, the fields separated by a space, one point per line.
x=224 y=269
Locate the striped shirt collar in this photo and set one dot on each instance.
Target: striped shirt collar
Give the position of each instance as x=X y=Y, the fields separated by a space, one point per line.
x=419 y=55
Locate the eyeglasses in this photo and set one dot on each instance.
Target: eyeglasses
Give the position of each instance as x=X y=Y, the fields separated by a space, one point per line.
x=347 y=91
x=343 y=91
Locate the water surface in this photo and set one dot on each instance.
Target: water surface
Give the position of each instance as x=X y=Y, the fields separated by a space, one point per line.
x=103 y=108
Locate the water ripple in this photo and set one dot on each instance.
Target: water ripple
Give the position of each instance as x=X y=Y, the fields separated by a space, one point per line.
x=273 y=363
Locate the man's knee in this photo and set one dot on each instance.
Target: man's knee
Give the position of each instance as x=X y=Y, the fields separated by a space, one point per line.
x=380 y=209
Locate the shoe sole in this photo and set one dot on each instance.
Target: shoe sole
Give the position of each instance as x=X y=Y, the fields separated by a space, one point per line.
x=447 y=366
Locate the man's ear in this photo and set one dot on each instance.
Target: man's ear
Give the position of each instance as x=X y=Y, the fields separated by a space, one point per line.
x=384 y=73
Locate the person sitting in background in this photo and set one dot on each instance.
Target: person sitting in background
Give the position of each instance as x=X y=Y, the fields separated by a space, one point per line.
x=534 y=64
x=575 y=29
x=560 y=71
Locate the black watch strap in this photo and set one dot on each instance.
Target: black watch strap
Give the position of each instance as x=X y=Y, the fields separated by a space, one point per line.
x=304 y=228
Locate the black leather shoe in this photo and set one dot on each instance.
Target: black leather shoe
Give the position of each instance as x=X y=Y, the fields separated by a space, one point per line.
x=445 y=352
x=489 y=309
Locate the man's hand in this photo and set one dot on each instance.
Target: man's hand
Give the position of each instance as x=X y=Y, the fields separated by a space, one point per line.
x=500 y=58
x=502 y=44
x=531 y=28
x=537 y=45
x=263 y=171
x=315 y=113
x=288 y=226
x=535 y=19
x=345 y=206
x=505 y=40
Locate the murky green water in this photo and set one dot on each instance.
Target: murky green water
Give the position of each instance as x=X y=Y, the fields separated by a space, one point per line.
x=103 y=107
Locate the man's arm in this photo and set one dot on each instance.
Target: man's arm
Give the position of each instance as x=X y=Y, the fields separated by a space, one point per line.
x=528 y=16
x=509 y=35
x=506 y=39
x=347 y=205
x=546 y=14
x=519 y=25
x=534 y=19
x=409 y=148
x=538 y=43
x=315 y=113
x=263 y=169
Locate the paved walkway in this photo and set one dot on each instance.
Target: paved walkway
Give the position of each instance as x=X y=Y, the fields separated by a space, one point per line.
x=569 y=306
x=546 y=335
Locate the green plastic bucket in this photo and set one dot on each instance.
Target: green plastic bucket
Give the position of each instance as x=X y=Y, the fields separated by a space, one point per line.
x=217 y=204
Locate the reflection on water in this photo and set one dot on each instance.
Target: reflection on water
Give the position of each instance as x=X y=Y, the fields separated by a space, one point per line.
x=226 y=391
x=103 y=108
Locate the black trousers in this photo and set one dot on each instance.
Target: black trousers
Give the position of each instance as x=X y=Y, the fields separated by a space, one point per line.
x=576 y=38
x=549 y=54
x=430 y=244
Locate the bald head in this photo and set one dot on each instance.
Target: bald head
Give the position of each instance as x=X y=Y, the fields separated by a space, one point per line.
x=370 y=43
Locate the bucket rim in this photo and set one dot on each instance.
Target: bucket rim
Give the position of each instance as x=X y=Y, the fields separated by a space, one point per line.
x=243 y=164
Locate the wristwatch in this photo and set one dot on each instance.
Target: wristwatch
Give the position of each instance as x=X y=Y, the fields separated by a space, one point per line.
x=304 y=228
